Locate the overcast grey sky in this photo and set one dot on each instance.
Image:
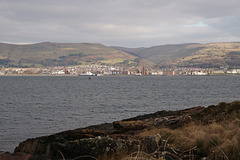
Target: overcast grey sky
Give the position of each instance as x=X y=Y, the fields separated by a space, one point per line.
x=129 y=23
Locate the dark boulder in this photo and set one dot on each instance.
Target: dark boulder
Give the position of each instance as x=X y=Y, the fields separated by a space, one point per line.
x=15 y=156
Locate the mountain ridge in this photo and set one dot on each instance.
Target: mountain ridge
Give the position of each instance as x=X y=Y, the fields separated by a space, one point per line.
x=209 y=55
x=53 y=54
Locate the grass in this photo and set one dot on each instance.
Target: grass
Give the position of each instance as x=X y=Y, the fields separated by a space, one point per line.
x=111 y=61
x=214 y=133
x=209 y=56
x=220 y=139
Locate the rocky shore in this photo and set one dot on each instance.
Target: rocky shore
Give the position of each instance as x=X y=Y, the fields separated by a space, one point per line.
x=195 y=133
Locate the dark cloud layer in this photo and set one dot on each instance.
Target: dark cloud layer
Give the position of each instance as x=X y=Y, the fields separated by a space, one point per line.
x=130 y=23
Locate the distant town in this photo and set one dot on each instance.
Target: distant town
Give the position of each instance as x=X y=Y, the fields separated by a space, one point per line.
x=101 y=70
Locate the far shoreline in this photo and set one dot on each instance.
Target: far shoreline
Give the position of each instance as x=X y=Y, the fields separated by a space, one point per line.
x=66 y=75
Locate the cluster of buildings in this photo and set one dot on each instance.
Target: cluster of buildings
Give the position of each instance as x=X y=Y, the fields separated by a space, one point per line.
x=116 y=70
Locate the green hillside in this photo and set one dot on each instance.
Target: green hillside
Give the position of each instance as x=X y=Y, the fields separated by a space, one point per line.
x=59 y=54
x=161 y=54
x=212 y=55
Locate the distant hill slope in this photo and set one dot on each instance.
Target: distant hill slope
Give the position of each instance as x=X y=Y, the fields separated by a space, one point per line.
x=160 y=54
x=53 y=54
x=212 y=55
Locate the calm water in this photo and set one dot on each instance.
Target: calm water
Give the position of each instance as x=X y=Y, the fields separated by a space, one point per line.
x=36 y=106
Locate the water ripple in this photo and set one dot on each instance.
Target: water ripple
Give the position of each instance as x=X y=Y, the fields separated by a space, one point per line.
x=37 y=106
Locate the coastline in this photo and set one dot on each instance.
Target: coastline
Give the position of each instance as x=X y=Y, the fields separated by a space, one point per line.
x=68 y=75
x=200 y=127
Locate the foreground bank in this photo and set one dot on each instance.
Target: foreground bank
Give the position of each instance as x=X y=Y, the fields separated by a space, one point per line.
x=195 y=133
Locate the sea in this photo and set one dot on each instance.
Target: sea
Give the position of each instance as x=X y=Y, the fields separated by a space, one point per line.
x=33 y=106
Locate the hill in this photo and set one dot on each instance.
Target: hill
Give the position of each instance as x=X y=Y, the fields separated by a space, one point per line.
x=60 y=54
x=160 y=54
x=211 y=55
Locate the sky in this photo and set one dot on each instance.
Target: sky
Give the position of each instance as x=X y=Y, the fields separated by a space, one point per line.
x=127 y=23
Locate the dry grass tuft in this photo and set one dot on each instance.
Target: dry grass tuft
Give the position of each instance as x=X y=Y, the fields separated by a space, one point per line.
x=219 y=139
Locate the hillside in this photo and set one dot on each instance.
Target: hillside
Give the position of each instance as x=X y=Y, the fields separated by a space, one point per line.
x=212 y=55
x=160 y=54
x=55 y=54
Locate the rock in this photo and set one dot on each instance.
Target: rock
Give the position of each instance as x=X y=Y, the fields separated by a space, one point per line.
x=102 y=140
x=150 y=144
x=109 y=140
x=129 y=125
x=95 y=147
x=172 y=122
x=15 y=156
x=44 y=145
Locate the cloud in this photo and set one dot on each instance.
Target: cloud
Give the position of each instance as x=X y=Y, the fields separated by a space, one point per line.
x=130 y=23
x=198 y=24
